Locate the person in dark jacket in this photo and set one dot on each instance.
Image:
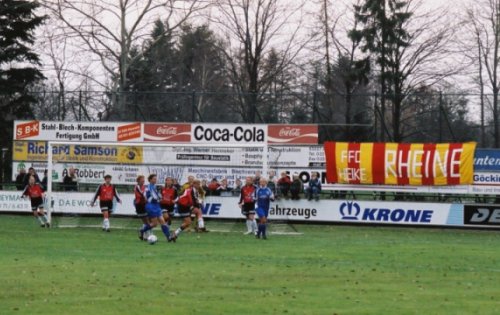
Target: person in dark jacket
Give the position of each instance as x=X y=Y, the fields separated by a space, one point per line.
x=20 y=179
x=284 y=185
x=69 y=181
x=296 y=187
x=44 y=180
x=314 y=187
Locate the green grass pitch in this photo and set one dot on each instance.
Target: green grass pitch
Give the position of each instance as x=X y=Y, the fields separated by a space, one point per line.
x=326 y=270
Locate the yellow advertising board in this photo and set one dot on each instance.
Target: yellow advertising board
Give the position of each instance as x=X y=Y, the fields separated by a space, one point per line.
x=35 y=151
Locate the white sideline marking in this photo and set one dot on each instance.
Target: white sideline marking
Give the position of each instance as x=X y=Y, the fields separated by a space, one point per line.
x=131 y=228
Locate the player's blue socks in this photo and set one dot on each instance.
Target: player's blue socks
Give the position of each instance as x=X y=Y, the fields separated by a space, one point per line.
x=145 y=228
x=165 y=230
x=260 y=230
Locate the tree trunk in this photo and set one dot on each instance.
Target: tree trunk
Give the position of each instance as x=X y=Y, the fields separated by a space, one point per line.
x=495 y=118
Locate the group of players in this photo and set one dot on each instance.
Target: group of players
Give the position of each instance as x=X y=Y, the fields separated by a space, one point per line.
x=155 y=204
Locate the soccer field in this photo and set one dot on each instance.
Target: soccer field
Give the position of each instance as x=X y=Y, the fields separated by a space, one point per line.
x=324 y=270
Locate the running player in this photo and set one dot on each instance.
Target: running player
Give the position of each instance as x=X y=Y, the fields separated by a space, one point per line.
x=167 y=203
x=264 y=196
x=187 y=184
x=186 y=203
x=247 y=205
x=197 y=212
x=35 y=192
x=140 y=200
x=106 y=192
x=153 y=209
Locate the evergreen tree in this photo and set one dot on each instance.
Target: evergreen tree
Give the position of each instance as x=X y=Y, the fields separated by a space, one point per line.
x=17 y=64
x=385 y=37
x=17 y=60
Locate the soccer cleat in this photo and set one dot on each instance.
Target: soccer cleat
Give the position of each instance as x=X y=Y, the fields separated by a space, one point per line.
x=107 y=230
x=248 y=233
x=141 y=235
x=42 y=225
x=172 y=238
x=257 y=236
x=264 y=237
x=47 y=225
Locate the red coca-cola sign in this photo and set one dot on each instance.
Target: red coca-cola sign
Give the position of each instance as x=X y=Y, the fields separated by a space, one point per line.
x=289 y=132
x=293 y=134
x=167 y=132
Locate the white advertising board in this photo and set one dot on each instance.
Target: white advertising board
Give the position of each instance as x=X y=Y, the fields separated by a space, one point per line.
x=372 y=212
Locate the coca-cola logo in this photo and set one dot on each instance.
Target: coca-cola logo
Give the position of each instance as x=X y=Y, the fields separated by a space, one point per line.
x=166 y=130
x=289 y=132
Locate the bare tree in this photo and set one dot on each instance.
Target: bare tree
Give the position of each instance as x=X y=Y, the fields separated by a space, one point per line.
x=483 y=17
x=110 y=29
x=254 y=28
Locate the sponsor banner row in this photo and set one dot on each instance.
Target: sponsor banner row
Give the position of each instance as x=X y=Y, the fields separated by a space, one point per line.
x=400 y=163
x=165 y=132
x=487 y=160
x=482 y=215
x=372 y=212
x=127 y=174
x=36 y=151
x=277 y=155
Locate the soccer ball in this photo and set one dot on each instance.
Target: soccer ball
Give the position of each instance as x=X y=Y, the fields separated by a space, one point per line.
x=152 y=239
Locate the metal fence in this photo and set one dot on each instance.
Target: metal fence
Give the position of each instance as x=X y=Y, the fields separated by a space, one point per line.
x=423 y=117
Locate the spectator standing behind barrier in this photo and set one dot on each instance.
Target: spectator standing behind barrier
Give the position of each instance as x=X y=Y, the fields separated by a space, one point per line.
x=213 y=188
x=272 y=183
x=20 y=179
x=237 y=187
x=314 y=187
x=44 y=180
x=256 y=178
x=70 y=181
x=284 y=185
x=31 y=172
x=296 y=187
x=224 y=186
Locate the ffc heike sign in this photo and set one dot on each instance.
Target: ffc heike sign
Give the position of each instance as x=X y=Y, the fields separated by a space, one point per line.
x=400 y=163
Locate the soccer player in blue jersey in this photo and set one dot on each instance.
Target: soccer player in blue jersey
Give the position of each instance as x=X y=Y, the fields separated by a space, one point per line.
x=263 y=196
x=153 y=209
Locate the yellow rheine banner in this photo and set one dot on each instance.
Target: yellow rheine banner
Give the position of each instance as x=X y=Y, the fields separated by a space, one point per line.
x=415 y=164
x=36 y=151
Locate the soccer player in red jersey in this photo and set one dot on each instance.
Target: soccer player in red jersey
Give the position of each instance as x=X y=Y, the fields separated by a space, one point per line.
x=106 y=192
x=35 y=192
x=168 y=196
x=140 y=200
x=186 y=203
x=247 y=205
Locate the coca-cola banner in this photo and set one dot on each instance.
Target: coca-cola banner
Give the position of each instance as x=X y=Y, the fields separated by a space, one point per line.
x=228 y=134
x=167 y=132
x=217 y=134
x=293 y=134
x=221 y=134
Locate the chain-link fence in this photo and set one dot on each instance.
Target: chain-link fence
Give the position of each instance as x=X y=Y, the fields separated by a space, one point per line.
x=419 y=117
